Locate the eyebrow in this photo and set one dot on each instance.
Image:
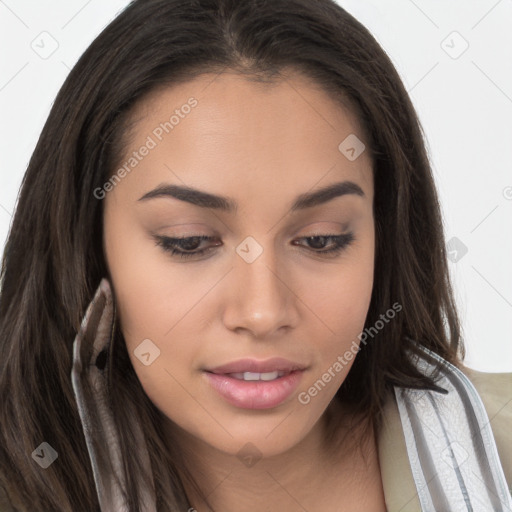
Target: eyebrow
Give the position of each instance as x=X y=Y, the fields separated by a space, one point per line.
x=228 y=205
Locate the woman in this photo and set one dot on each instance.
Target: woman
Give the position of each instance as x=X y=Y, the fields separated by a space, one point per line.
x=225 y=285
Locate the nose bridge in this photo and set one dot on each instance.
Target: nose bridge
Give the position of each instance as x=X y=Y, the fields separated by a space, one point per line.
x=262 y=302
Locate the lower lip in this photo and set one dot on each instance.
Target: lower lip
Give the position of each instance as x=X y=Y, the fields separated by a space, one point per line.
x=255 y=394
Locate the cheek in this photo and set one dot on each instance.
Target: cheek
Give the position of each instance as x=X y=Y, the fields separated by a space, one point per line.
x=344 y=298
x=345 y=294
x=341 y=301
x=151 y=295
x=342 y=306
x=155 y=308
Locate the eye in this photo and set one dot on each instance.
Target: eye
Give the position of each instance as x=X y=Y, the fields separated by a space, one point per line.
x=184 y=247
x=187 y=247
x=338 y=243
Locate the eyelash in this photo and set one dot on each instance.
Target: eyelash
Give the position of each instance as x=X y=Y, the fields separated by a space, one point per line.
x=169 y=244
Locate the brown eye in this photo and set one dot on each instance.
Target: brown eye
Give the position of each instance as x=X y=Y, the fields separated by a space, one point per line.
x=339 y=242
x=188 y=247
x=185 y=247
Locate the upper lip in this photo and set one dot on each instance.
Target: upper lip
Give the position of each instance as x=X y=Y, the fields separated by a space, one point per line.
x=255 y=366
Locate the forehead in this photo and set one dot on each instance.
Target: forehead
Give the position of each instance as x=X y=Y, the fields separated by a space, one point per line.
x=275 y=138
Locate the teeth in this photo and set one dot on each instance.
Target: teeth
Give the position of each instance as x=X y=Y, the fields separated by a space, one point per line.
x=269 y=375
x=252 y=376
x=257 y=376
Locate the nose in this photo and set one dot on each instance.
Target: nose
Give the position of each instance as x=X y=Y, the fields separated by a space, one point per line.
x=262 y=300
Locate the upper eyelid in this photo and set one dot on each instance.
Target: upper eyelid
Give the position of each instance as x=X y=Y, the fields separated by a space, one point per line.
x=342 y=228
x=213 y=237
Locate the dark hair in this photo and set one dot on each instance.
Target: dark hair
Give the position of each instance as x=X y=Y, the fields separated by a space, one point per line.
x=54 y=261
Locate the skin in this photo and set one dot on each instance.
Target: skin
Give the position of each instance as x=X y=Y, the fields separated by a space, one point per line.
x=262 y=146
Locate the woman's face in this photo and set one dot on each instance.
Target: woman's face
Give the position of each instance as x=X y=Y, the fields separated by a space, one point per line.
x=261 y=289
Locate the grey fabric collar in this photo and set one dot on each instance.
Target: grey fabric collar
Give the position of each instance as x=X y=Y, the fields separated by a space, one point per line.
x=90 y=384
x=451 y=448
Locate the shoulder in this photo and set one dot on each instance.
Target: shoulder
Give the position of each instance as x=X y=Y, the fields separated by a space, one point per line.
x=495 y=390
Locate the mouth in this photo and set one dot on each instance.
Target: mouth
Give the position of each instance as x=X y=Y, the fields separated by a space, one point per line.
x=255 y=390
x=252 y=376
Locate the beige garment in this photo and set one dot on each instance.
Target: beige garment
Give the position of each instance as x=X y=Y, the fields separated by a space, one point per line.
x=495 y=390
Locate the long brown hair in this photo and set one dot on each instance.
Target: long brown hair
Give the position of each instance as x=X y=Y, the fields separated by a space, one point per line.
x=53 y=259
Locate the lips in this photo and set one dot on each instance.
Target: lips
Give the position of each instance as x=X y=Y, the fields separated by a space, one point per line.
x=252 y=384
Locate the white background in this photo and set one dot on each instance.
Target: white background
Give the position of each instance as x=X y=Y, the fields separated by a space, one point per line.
x=464 y=101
